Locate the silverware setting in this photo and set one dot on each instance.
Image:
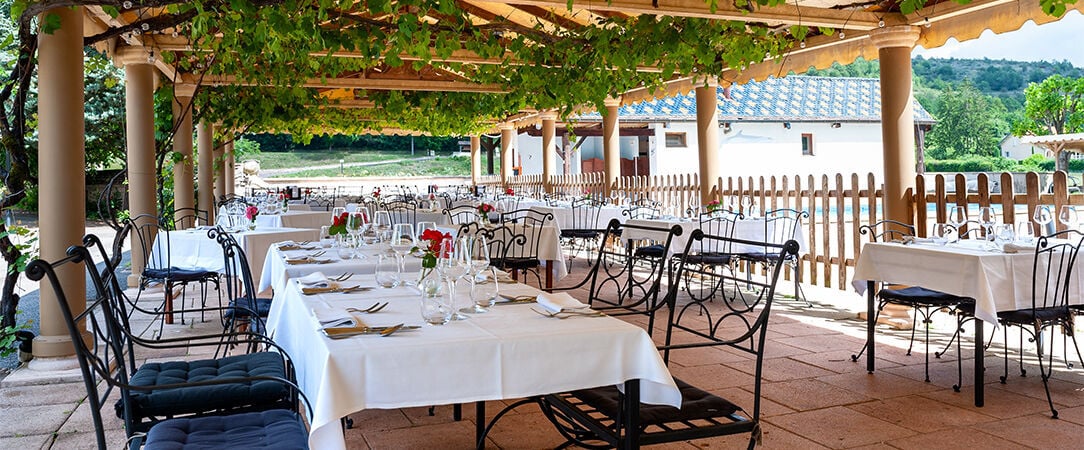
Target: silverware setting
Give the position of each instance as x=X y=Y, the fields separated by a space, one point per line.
x=567 y=313
x=345 y=276
x=382 y=331
x=513 y=300
x=372 y=309
x=328 y=290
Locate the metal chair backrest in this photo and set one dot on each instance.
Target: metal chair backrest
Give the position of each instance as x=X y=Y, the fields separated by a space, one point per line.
x=1052 y=277
x=585 y=213
x=780 y=224
x=401 y=211
x=183 y=218
x=531 y=225
x=237 y=273
x=887 y=231
x=641 y=212
x=145 y=229
x=461 y=215
x=718 y=223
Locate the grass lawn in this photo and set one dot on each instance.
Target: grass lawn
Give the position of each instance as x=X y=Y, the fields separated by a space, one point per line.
x=287 y=160
x=441 y=165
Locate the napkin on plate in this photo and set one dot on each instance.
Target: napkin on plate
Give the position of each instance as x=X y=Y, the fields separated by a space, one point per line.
x=1010 y=247
x=327 y=315
x=558 y=302
x=314 y=280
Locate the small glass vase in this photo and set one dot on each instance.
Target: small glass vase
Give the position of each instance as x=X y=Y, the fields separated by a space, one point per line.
x=252 y=224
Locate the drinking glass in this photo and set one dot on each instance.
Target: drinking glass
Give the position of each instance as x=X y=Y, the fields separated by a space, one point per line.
x=484 y=295
x=381 y=224
x=402 y=240
x=957 y=216
x=337 y=211
x=1003 y=234
x=1026 y=231
x=326 y=240
x=426 y=225
x=454 y=264
x=746 y=203
x=1043 y=216
x=344 y=246
x=387 y=271
x=1067 y=216
x=942 y=233
x=435 y=301
x=987 y=218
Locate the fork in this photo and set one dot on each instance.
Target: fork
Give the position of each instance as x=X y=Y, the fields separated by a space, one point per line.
x=345 y=276
x=572 y=313
x=319 y=253
x=372 y=309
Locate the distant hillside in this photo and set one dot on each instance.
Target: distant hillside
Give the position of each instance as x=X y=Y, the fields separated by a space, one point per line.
x=999 y=78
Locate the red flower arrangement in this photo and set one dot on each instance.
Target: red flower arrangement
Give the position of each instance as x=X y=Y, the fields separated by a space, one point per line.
x=376 y=192
x=510 y=191
x=713 y=206
x=430 y=241
x=251 y=212
x=485 y=208
x=338 y=224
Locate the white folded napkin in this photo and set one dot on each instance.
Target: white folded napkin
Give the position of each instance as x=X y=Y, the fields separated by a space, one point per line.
x=1010 y=247
x=917 y=240
x=315 y=279
x=558 y=302
x=326 y=315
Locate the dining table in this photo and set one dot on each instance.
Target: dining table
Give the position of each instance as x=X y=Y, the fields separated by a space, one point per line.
x=280 y=266
x=506 y=353
x=998 y=280
x=294 y=218
x=563 y=214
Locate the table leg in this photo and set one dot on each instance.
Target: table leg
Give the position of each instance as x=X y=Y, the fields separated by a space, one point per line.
x=168 y=303
x=479 y=422
x=980 y=363
x=871 y=326
x=549 y=275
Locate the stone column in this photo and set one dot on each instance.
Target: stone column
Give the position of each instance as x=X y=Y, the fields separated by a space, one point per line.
x=475 y=159
x=707 y=137
x=508 y=138
x=183 y=190
x=61 y=165
x=228 y=169
x=219 y=171
x=549 y=152
x=611 y=144
x=139 y=74
x=894 y=46
x=206 y=172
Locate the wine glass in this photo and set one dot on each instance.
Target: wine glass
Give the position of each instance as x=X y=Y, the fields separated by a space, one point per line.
x=454 y=264
x=746 y=203
x=1067 y=216
x=987 y=218
x=957 y=216
x=402 y=240
x=381 y=224
x=941 y=233
x=1042 y=217
x=426 y=225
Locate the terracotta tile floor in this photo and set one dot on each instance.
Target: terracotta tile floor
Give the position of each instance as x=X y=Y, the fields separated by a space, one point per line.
x=813 y=396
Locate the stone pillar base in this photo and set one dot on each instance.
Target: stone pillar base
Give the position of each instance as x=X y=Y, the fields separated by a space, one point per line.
x=42 y=371
x=133 y=280
x=895 y=316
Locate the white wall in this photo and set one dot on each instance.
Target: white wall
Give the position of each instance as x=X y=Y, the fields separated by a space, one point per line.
x=1012 y=148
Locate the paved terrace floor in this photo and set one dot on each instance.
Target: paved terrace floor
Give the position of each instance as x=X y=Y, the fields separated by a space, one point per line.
x=814 y=396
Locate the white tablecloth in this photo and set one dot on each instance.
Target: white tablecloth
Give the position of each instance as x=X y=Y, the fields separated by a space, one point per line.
x=563 y=216
x=192 y=249
x=745 y=229
x=997 y=281
x=276 y=273
x=509 y=352
x=294 y=219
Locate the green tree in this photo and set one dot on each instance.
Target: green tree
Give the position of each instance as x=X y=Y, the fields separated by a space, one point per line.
x=968 y=123
x=1055 y=106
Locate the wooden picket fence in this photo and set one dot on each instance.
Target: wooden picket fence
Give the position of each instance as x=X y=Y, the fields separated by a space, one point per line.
x=838 y=205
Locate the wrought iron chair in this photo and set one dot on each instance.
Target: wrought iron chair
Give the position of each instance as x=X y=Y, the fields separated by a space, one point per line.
x=245 y=310
x=145 y=229
x=711 y=256
x=172 y=400
x=517 y=245
x=609 y=417
x=584 y=229
x=619 y=282
x=461 y=215
x=183 y=218
x=924 y=301
x=779 y=226
x=229 y=200
x=401 y=211
x=641 y=212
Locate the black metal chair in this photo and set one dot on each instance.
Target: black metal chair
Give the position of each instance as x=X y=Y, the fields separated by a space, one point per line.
x=711 y=256
x=779 y=226
x=461 y=215
x=584 y=229
x=184 y=218
x=641 y=212
x=245 y=310
x=621 y=283
x=145 y=229
x=230 y=200
x=924 y=301
x=183 y=402
x=1053 y=283
x=401 y=211
x=609 y=417
x=517 y=245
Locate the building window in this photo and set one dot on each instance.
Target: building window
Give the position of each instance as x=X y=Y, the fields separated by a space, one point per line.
x=807 y=144
x=675 y=140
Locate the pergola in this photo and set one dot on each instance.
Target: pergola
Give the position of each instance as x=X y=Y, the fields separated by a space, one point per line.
x=1057 y=143
x=840 y=31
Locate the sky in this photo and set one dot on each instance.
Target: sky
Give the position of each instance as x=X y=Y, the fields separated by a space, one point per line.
x=1055 y=41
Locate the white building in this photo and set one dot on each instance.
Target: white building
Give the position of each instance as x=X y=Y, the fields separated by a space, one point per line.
x=791 y=125
x=1013 y=148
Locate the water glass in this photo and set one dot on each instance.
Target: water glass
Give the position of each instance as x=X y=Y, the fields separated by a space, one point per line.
x=1067 y=216
x=484 y=294
x=1042 y=216
x=942 y=233
x=987 y=218
x=436 y=306
x=426 y=225
x=344 y=246
x=1026 y=232
x=387 y=271
x=1004 y=233
x=326 y=239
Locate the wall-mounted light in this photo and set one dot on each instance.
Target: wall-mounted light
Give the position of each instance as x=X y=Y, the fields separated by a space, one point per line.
x=786 y=125
x=836 y=124
x=726 y=127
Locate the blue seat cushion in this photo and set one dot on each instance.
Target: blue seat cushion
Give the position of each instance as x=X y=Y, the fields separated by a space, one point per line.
x=582 y=234
x=695 y=404
x=1030 y=315
x=244 y=306
x=650 y=251
x=520 y=263
x=177 y=275
x=189 y=400
x=711 y=258
x=920 y=296
x=272 y=429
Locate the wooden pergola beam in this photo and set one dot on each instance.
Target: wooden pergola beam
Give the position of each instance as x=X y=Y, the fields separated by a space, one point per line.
x=376 y=84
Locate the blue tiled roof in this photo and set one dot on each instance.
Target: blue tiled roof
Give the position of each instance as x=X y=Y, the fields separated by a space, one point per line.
x=792 y=98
